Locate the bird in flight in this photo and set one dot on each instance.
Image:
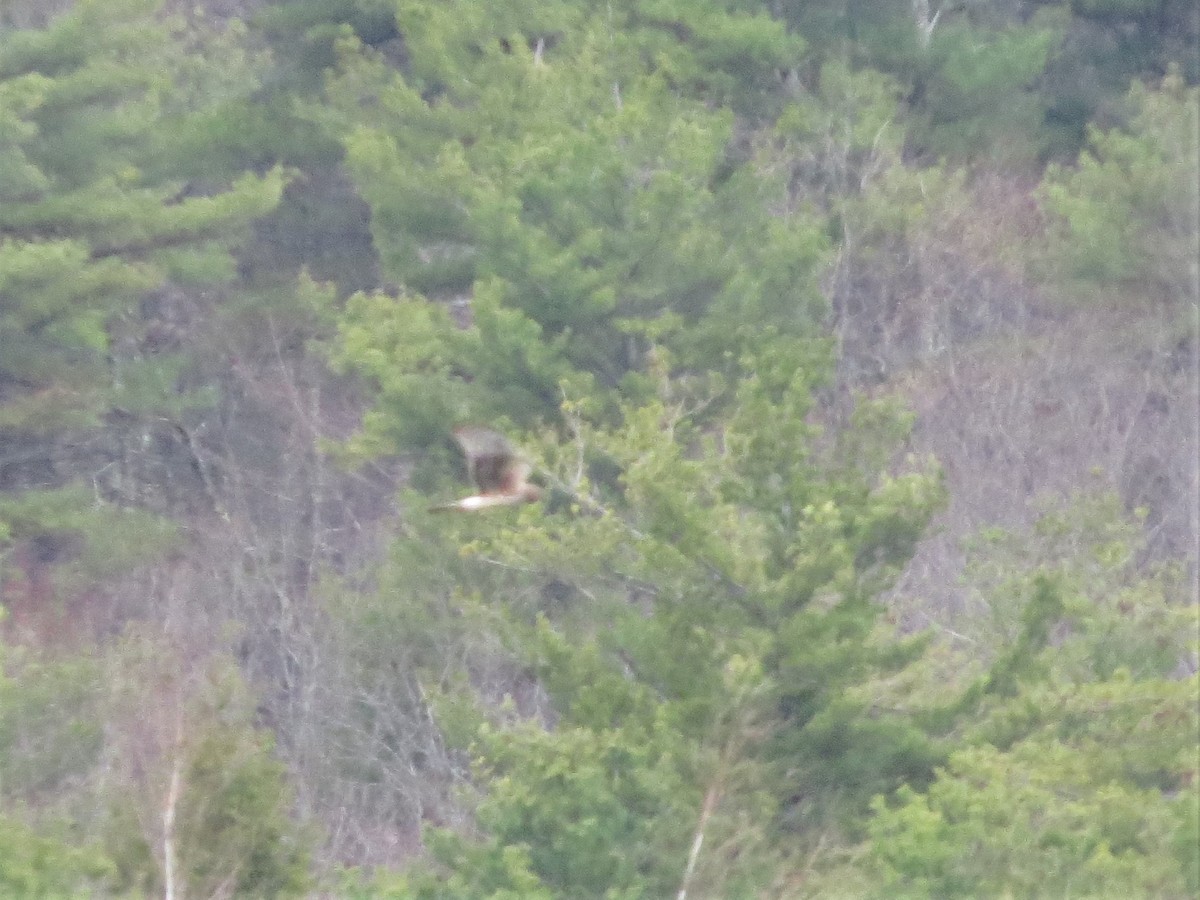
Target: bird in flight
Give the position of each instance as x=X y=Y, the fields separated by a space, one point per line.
x=499 y=473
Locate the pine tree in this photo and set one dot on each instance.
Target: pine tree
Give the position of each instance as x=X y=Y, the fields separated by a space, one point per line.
x=1125 y=216
x=699 y=597
x=698 y=606
x=1074 y=767
x=555 y=178
x=100 y=241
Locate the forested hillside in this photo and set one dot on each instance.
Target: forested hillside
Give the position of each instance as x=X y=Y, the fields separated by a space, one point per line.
x=855 y=348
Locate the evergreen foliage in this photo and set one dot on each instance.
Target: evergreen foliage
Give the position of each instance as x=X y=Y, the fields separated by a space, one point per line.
x=234 y=822
x=35 y=865
x=1043 y=798
x=1127 y=213
x=686 y=256
x=95 y=232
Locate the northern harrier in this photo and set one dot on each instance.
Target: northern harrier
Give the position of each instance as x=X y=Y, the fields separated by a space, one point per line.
x=494 y=466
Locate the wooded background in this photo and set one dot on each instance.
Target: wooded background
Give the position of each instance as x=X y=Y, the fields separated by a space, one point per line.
x=854 y=344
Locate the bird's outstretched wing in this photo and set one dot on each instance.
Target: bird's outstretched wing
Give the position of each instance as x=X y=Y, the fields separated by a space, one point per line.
x=492 y=463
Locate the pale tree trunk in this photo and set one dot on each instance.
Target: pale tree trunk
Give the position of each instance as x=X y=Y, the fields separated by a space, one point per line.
x=710 y=803
x=170 y=875
x=925 y=24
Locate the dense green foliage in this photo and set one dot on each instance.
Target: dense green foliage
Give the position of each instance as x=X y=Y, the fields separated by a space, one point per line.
x=97 y=231
x=1040 y=799
x=689 y=256
x=1127 y=210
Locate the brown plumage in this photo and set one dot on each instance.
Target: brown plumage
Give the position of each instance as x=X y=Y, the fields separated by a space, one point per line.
x=497 y=470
